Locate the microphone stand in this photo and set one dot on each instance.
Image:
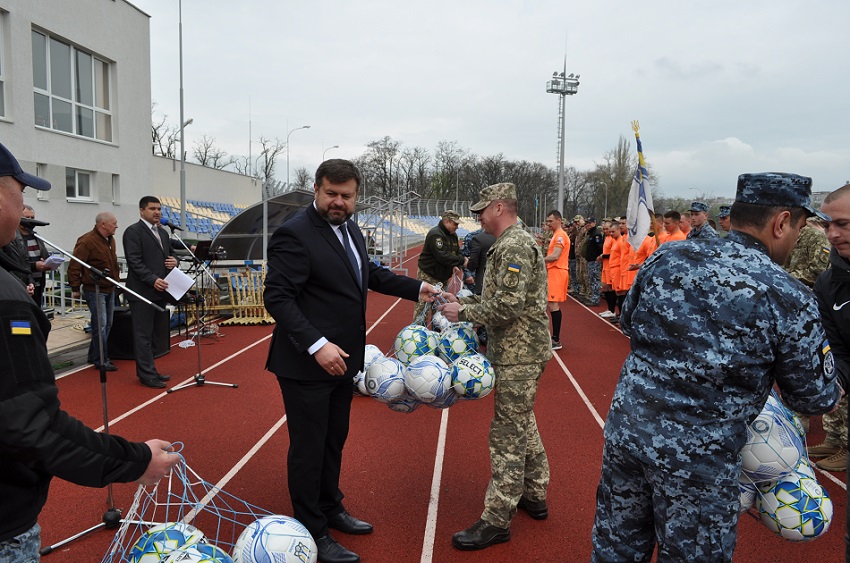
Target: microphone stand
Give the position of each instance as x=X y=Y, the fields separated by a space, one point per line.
x=199 y=379
x=112 y=517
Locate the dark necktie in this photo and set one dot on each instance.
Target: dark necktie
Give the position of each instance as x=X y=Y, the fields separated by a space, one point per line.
x=343 y=230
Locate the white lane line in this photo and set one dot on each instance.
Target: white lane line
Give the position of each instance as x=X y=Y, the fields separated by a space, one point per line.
x=615 y=326
x=831 y=477
x=387 y=312
x=164 y=394
x=234 y=470
x=434 y=499
x=580 y=391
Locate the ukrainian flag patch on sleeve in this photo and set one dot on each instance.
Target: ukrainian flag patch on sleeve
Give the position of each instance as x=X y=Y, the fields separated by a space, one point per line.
x=515 y=268
x=21 y=328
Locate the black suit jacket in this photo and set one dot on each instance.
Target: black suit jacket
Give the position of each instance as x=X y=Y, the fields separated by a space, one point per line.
x=311 y=291
x=146 y=259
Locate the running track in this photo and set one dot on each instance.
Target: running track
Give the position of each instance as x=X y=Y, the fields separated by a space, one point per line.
x=417 y=477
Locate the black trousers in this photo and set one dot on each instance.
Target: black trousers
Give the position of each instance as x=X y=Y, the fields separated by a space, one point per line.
x=317 y=414
x=144 y=318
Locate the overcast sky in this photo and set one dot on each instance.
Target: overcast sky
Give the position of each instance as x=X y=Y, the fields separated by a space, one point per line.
x=719 y=88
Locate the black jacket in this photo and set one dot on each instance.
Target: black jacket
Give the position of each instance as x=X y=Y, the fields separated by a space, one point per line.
x=440 y=253
x=478 y=247
x=832 y=290
x=37 y=439
x=593 y=244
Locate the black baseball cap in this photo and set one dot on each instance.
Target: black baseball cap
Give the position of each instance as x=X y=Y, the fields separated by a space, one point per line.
x=9 y=167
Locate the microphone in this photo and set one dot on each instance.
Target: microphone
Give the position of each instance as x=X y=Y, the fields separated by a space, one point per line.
x=30 y=223
x=166 y=223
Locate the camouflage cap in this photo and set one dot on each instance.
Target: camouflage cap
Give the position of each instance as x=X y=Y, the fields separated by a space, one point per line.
x=724 y=211
x=578 y=219
x=451 y=215
x=777 y=189
x=591 y=219
x=505 y=190
x=699 y=206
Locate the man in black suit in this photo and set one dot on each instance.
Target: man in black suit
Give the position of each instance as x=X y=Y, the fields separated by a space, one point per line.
x=147 y=248
x=316 y=286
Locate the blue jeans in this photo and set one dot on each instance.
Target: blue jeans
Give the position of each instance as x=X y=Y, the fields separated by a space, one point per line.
x=22 y=548
x=107 y=301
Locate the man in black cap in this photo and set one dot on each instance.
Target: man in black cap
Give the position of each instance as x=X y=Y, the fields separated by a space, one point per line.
x=677 y=422
x=38 y=440
x=593 y=241
x=440 y=256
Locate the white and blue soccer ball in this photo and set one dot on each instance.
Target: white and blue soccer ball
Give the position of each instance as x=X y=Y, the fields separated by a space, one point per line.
x=414 y=341
x=277 y=538
x=457 y=341
x=776 y=406
x=427 y=378
x=371 y=353
x=439 y=322
x=796 y=507
x=406 y=406
x=448 y=399
x=385 y=380
x=464 y=293
x=198 y=553
x=473 y=376
x=359 y=382
x=159 y=541
x=773 y=447
x=748 y=493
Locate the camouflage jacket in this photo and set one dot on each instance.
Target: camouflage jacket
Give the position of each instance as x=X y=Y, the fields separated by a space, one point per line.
x=732 y=322
x=706 y=231
x=440 y=253
x=810 y=256
x=512 y=304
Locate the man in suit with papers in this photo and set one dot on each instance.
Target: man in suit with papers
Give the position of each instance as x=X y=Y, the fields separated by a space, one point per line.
x=147 y=248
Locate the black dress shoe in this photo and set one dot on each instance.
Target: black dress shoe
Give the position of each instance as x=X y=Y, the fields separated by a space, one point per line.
x=153 y=383
x=108 y=366
x=346 y=523
x=480 y=535
x=332 y=552
x=536 y=509
x=163 y=377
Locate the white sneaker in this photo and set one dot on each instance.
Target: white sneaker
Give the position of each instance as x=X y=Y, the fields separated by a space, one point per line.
x=606 y=314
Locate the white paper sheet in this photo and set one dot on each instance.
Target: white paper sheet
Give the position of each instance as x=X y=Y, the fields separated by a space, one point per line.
x=53 y=261
x=178 y=283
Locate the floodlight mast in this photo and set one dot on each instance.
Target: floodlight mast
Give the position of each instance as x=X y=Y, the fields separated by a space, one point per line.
x=564 y=86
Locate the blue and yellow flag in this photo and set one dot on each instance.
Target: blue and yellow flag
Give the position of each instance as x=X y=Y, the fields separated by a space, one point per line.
x=639 y=214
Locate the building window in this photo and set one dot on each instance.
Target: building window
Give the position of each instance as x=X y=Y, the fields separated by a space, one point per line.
x=78 y=184
x=71 y=89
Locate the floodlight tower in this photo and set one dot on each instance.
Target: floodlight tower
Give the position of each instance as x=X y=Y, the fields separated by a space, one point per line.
x=564 y=86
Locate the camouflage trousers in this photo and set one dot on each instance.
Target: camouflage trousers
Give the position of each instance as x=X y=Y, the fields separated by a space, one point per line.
x=594 y=283
x=518 y=463
x=420 y=305
x=639 y=504
x=573 y=278
x=835 y=425
x=581 y=274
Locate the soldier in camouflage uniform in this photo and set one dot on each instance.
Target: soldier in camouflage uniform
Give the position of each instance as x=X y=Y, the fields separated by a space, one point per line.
x=692 y=381
x=512 y=306
x=810 y=256
x=699 y=222
x=439 y=257
x=582 y=276
x=723 y=219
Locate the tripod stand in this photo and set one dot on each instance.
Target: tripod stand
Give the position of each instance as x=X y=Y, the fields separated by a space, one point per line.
x=112 y=517
x=201 y=273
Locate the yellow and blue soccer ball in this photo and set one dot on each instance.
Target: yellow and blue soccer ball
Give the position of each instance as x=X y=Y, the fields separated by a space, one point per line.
x=427 y=378
x=159 y=541
x=385 y=380
x=198 y=553
x=457 y=341
x=472 y=376
x=277 y=538
x=414 y=341
x=796 y=507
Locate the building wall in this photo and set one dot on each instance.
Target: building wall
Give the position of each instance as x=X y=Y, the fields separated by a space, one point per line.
x=203 y=183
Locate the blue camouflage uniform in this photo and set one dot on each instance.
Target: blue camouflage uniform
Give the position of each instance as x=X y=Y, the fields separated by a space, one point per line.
x=733 y=322
x=706 y=231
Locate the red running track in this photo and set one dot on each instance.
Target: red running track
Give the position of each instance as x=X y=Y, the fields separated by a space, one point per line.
x=417 y=477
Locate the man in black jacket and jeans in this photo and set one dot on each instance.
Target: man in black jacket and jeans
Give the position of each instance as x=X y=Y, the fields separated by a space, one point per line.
x=592 y=250
x=37 y=439
x=832 y=290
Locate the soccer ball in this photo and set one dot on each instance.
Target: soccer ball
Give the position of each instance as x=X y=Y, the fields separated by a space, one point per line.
x=473 y=376
x=385 y=380
x=439 y=322
x=464 y=293
x=776 y=406
x=198 y=553
x=275 y=538
x=360 y=384
x=773 y=447
x=427 y=378
x=158 y=541
x=749 y=493
x=795 y=507
x=414 y=341
x=371 y=353
x=406 y=406
x=448 y=399
x=458 y=341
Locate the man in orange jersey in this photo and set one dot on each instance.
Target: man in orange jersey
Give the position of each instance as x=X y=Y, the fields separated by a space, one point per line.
x=607 y=292
x=672 y=220
x=685 y=222
x=615 y=262
x=558 y=272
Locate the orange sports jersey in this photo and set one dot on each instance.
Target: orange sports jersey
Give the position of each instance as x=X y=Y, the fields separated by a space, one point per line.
x=678 y=235
x=562 y=241
x=629 y=257
x=662 y=236
x=614 y=263
x=606 y=250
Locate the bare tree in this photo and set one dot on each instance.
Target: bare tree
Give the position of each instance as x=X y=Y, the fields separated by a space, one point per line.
x=163 y=135
x=303 y=178
x=265 y=165
x=207 y=154
x=380 y=167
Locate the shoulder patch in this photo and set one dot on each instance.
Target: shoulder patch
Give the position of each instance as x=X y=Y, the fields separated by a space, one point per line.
x=515 y=268
x=21 y=328
x=439 y=243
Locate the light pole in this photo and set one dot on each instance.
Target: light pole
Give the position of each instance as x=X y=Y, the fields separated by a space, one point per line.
x=327 y=149
x=182 y=122
x=564 y=86
x=287 y=151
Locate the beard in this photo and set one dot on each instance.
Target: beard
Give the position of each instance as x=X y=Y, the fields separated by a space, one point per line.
x=339 y=216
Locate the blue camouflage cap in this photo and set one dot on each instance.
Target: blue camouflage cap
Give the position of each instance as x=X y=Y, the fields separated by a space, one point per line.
x=699 y=206
x=777 y=189
x=724 y=211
